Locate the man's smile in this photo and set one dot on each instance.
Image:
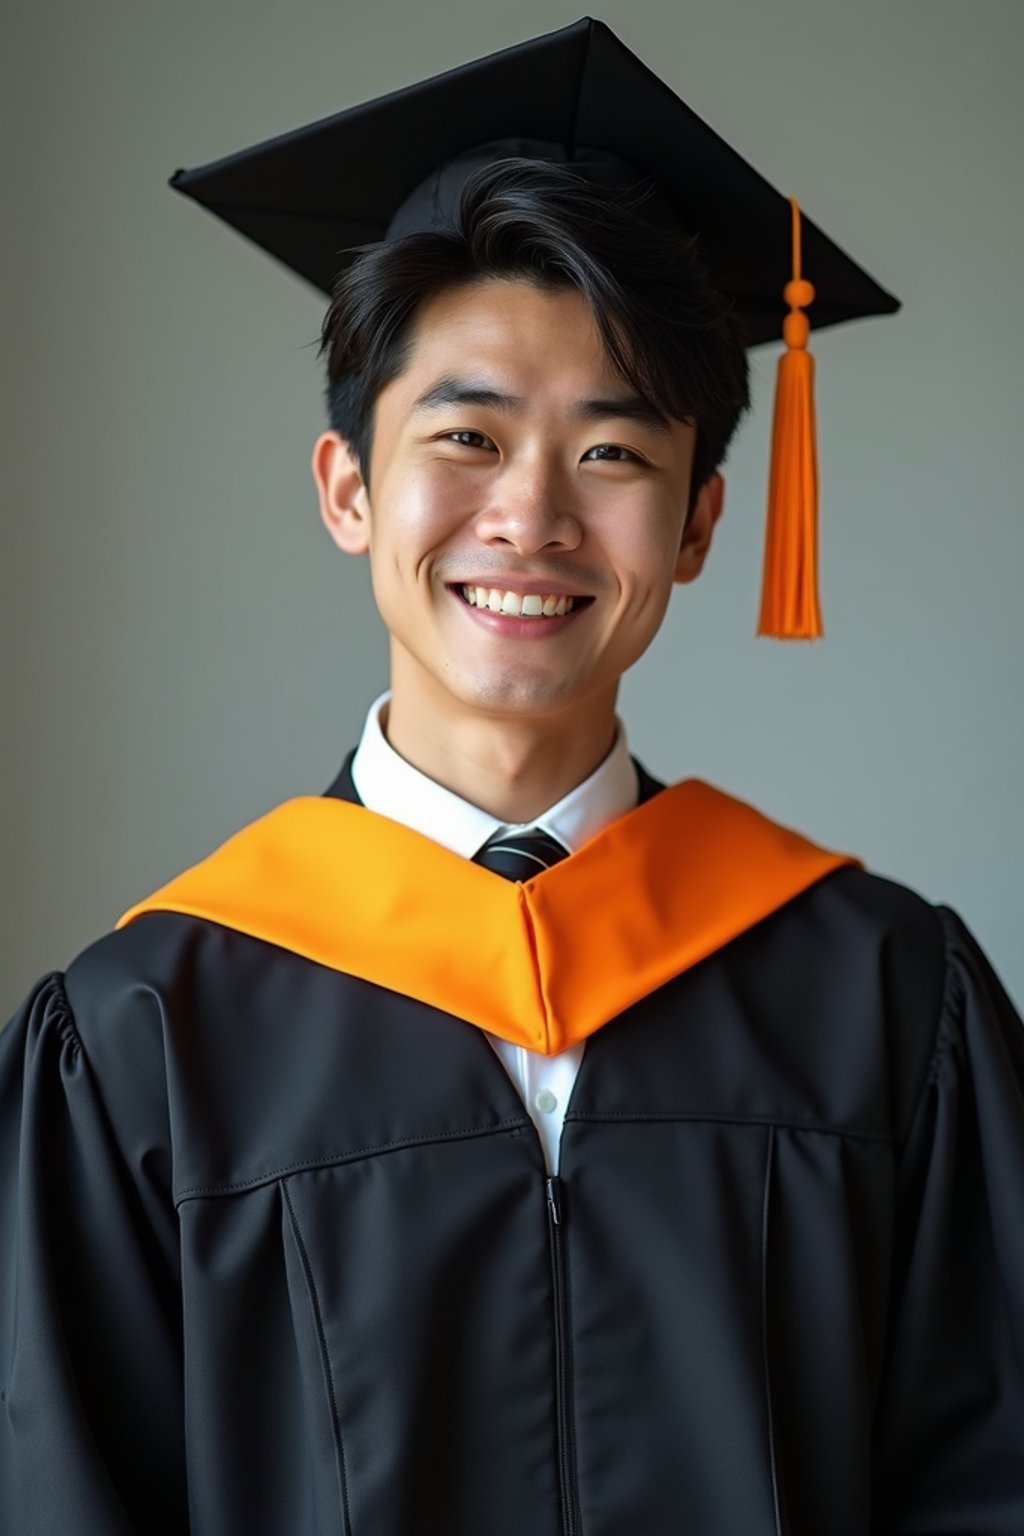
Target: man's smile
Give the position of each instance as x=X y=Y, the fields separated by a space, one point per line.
x=527 y=613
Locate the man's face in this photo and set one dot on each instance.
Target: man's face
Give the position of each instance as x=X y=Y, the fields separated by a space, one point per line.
x=510 y=457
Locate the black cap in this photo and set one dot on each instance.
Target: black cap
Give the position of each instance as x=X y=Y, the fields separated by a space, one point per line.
x=314 y=197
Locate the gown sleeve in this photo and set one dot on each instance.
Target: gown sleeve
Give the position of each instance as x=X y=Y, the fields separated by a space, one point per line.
x=91 y=1437
x=950 y=1420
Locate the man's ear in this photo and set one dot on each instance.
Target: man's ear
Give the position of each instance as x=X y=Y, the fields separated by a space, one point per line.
x=344 y=502
x=697 y=537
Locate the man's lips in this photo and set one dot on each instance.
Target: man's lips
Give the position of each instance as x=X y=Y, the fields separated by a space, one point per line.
x=516 y=626
x=542 y=586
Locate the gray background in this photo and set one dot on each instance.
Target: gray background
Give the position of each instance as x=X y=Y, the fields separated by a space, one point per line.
x=183 y=646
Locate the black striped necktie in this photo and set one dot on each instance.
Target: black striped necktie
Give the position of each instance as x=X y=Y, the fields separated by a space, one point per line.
x=521 y=857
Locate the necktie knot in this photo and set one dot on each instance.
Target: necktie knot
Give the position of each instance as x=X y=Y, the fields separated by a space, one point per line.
x=522 y=856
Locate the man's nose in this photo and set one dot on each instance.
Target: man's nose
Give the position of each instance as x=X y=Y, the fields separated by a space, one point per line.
x=531 y=507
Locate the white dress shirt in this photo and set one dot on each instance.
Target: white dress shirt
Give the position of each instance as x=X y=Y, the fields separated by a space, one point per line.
x=389 y=785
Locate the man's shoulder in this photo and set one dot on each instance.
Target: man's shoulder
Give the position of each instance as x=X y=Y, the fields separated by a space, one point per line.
x=841 y=902
x=163 y=939
x=881 y=906
x=116 y=986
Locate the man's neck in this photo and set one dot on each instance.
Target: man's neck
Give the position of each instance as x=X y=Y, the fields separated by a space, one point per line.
x=513 y=768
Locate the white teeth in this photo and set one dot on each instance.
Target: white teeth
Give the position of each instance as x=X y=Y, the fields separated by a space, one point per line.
x=532 y=605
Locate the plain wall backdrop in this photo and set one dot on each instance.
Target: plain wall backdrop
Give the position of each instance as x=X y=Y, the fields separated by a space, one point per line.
x=183 y=647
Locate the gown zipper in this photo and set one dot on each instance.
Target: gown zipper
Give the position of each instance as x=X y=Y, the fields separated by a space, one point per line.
x=563 y=1361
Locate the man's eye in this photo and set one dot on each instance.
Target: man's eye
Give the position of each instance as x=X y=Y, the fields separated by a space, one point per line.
x=608 y=453
x=466 y=432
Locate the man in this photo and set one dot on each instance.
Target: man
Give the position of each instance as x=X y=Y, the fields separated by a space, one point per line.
x=505 y=1141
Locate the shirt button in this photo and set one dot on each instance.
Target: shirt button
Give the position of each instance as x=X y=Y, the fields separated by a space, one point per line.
x=546 y=1101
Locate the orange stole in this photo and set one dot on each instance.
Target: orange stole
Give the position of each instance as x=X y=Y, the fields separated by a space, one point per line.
x=542 y=963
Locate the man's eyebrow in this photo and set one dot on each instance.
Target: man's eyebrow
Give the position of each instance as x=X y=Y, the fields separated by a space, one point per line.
x=455 y=391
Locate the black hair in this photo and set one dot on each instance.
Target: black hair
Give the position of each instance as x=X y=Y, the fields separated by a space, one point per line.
x=666 y=330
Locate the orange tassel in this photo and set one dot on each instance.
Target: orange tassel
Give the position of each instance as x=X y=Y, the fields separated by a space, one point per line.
x=790 y=607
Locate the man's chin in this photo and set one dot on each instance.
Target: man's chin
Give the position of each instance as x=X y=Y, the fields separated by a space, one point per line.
x=518 y=695
x=453 y=683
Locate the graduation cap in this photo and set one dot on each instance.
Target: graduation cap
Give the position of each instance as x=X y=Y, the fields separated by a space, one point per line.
x=315 y=197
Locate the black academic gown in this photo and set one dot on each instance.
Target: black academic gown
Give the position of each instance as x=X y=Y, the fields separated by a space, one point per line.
x=279 y=1255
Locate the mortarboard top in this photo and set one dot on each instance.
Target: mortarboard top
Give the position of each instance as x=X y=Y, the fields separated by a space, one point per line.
x=309 y=196
x=384 y=169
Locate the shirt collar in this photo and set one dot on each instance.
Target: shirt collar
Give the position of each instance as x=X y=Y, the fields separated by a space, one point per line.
x=392 y=787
